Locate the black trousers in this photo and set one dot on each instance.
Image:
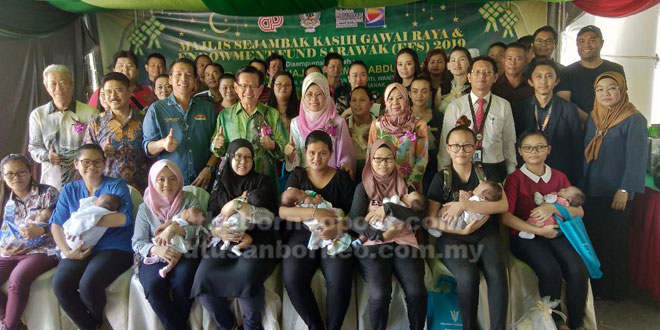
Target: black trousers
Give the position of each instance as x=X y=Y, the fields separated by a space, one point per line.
x=466 y=266
x=378 y=263
x=552 y=260
x=170 y=296
x=79 y=285
x=298 y=272
x=608 y=230
x=251 y=308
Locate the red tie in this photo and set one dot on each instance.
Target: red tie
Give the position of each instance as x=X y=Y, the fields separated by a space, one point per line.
x=480 y=114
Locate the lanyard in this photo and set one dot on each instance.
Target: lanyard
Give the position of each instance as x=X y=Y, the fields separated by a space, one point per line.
x=479 y=132
x=547 y=117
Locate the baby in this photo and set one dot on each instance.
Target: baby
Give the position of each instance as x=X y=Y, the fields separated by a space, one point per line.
x=81 y=227
x=235 y=222
x=413 y=200
x=485 y=191
x=310 y=199
x=10 y=234
x=190 y=216
x=569 y=196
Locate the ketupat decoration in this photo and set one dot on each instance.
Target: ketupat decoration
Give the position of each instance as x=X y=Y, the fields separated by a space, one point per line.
x=152 y=28
x=490 y=11
x=508 y=21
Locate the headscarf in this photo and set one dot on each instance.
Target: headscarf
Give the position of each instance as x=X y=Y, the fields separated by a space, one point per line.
x=309 y=121
x=230 y=185
x=396 y=126
x=377 y=186
x=607 y=117
x=164 y=208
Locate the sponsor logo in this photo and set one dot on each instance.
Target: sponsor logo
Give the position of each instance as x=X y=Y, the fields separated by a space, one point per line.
x=310 y=21
x=374 y=17
x=347 y=18
x=270 y=23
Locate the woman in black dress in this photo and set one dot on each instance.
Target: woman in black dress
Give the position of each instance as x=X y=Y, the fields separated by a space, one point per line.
x=222 y=274
x=336 y=187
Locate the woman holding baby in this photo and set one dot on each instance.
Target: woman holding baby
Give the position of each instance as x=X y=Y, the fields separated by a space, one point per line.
x=239 y=190
x=480 y=235
x=550 y=255
x=164 y=201
x=24 y=239
x=394 y=250
x=85 y=271
x=333 y=186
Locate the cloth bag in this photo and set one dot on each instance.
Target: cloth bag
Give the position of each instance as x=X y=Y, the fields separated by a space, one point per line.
x=573 y=229
x=539 y=315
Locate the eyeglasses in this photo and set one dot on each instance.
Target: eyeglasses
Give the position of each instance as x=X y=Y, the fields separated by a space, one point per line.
x=278 y=85
x=609 y=89
x=239 y=157
x=482 y=73
x=538 y=148
x=98 y=163
x=544 y=41
x=380 y=160
x=457 y=147
x=246 y=86
x=20 y=174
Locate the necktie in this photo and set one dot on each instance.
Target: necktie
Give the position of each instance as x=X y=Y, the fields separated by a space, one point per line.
x=480 y=114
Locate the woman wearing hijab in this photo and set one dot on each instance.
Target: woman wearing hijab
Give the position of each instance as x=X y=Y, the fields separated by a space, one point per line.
x=164 y=198
x=614 y=169
x=394 y=251
x=406 y=132
x=222 y=274
x=318 y=112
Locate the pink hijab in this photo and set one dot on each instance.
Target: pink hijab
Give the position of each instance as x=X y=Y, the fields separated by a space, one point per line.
x=164 y=208
x=396 y=126
x=309 y=121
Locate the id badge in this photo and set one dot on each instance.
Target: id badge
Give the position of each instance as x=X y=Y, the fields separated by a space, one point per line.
x=477 y=156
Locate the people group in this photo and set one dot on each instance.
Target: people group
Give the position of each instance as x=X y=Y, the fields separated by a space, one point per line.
x=394 y=172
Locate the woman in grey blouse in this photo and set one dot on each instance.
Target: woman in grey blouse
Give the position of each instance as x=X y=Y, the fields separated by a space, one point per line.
x=615 y=160
x=164 y=199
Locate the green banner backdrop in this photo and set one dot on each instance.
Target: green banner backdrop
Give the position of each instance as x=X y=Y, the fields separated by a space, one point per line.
x=373 y=35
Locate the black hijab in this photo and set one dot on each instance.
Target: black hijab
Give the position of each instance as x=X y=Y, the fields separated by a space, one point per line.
x=229 y=185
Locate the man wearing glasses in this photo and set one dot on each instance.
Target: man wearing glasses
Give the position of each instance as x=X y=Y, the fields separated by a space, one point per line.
x=180 y=127
x=545 y=42
x=254 y=121
x=491 y=120
x=579 y=88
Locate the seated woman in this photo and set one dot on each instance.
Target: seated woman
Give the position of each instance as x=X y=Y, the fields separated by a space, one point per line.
x=25 y=244
x=394 y=251
x=82 y=276
x=551 y=257
x=164 y=199
x=481 y=235
x=336 y=187
x=222 y=274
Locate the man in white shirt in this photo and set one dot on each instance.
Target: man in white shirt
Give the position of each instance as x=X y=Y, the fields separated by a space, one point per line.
x=491 y=120
x=57 y=128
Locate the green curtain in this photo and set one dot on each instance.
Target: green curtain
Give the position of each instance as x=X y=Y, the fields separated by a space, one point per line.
x=32 y=19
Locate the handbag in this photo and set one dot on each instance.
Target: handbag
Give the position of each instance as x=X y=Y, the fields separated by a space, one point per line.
x=574 y=230
x=442 y=312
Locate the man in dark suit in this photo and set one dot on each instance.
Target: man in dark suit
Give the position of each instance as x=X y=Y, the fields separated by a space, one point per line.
x=558 y=118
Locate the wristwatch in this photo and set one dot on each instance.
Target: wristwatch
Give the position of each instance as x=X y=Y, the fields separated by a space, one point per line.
x=623 y=191
x=210 y=167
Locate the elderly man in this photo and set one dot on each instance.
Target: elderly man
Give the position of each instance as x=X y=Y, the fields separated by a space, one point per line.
x=512 y=85
x=57 y=128
x=180 y=127
x=212 y=74
x=119 y=131
x=252 y=120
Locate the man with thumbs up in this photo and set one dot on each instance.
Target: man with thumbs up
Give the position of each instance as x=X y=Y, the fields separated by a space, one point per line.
x=254 y=121
x=180 y=127
x=119 y=132
x=57 y=128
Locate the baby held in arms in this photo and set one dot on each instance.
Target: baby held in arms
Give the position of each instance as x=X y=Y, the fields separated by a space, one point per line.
x=485 y=191
x=413 y=200
x=294 y=197
x=235 y=222
x=81 y=227
x=569 y=196
x=188 y=217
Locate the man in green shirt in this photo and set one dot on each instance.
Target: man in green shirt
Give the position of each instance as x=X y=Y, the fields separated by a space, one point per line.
x=254 y=121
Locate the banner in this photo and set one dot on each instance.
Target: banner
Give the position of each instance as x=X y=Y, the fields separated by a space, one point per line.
x=373 y=35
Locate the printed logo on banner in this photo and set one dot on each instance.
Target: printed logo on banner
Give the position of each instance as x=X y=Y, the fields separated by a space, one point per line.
x=270 y=23
x=310 y=21
x=347 y=18
x=374 y=17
